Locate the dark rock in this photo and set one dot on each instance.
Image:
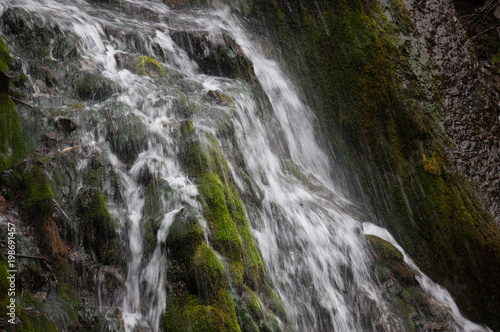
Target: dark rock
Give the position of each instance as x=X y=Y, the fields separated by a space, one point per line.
x=54 y=137
x=64 y=49
x=214 y=96
x=125 y=61
x=94 y=87
x=4 y=82
x=66 y=125
x=216 y=54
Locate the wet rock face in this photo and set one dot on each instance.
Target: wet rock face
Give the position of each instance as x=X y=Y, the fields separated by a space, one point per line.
x=216 y=54
x=471 y=110
x=406 y=299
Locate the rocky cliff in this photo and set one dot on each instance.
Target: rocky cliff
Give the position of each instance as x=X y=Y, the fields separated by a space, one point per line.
x=138 y=208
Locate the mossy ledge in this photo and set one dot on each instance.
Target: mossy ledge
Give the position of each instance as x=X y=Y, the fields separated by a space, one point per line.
x=380 y=113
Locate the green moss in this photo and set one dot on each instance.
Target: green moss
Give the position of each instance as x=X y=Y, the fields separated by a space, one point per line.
x=5 y=58
x=97 y=226
x=148 y=66
x=225 y=233
x=4 y=285
x=225 y=214
x=205 y=305
x=185 y=235
x=209 y=273
x=12 y=145
x=384 y=250
x=187 y=314
x=229 y=233
x=42 y=324
x=39 y=196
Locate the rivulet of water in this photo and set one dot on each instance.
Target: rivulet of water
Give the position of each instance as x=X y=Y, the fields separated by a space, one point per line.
x=311 y=243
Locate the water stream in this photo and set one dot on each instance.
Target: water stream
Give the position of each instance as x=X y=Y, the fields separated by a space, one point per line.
x=312 y=245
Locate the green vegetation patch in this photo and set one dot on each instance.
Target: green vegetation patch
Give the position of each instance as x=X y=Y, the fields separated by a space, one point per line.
x=12 y=145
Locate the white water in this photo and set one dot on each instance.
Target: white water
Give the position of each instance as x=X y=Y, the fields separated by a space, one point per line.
x=312 y=246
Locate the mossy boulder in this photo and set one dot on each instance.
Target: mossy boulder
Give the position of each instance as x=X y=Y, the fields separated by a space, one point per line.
x=390 y=262
x=198 y=298
x=185 y=235
x=146 y=65
x=130 y=138
x=96 y=225
x=228 y=234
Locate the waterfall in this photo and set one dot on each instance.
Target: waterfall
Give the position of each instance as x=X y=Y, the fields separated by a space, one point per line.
x=311 y=241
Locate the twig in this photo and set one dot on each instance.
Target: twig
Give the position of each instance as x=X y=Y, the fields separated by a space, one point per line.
x=485 y=31
x=69 y=149
x=483 y=12
x=60 y=208
x=29 y=105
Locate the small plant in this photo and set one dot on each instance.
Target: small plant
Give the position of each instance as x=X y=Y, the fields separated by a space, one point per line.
x=431 y=165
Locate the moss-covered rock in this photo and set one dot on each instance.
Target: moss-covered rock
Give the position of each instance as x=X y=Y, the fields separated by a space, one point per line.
x=198 y=298
x=5 y=57
x=408 y=305
x=90 y=86
x=39 y=196
x=97 y=227
x=229 y=234
x=146 y=65
x=130 y=137
x=12 y=146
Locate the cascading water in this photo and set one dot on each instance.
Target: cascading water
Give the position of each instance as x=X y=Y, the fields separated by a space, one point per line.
x=312 y=246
